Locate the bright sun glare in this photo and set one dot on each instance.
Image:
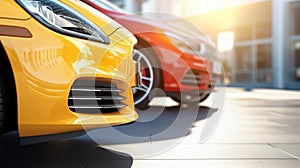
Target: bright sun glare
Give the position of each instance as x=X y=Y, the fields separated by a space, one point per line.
x=213 y=5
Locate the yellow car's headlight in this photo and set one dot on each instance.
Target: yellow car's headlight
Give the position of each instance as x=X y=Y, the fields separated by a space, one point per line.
x=63 y=19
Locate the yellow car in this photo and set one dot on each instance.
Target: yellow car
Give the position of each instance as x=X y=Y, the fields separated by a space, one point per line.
x=59 y=72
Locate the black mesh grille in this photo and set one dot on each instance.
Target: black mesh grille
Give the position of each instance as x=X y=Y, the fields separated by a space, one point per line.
x=194 y=78
x=93 y=97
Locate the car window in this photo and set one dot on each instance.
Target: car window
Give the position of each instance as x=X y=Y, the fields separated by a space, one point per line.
x=107 y=5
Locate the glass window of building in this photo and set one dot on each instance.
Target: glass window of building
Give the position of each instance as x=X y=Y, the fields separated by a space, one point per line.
x=243 y=57
x=263 y=30
x=243 y=64
x=264 y=56
x=297 y=60
x=119 y=3
x=264 y=63
x=243 y=33
x=297 y=21
x=243 y=77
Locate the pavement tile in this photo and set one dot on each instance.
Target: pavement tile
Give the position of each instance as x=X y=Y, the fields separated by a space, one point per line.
x=223 y=151
x=292 y=149
x=217 y=163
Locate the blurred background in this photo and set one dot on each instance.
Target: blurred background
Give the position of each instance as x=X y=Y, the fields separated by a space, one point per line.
x=259 y=39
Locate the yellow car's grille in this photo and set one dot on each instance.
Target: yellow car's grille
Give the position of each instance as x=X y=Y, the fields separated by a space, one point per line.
x=94 y=97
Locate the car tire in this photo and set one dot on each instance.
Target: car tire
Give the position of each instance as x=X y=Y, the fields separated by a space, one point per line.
x=204 y=96
x=190 y=101
x=193 y=100
x=3 y=105
x=150 y=76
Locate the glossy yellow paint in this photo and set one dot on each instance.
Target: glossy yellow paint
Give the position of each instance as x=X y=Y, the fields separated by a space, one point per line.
x=46 y=65
x=120 y=36
x=12 y=12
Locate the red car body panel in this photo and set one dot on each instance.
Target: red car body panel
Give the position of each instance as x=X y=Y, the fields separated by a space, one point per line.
x=152 y=33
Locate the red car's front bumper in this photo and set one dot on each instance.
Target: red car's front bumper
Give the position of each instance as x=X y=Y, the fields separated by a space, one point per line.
x=185 y=72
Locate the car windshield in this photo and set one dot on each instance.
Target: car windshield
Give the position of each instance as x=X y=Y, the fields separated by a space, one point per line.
x=108 y=5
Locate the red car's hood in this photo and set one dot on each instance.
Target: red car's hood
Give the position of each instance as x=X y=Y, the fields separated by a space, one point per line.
x=137 y=24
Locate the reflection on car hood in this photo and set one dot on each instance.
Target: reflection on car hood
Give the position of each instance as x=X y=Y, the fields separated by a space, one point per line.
x=145 y=24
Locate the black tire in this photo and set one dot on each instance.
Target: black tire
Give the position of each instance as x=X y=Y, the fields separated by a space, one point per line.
x=8 y=96
x=204 y=96
x=3 y=105
x=195 y=99
x=142 y=104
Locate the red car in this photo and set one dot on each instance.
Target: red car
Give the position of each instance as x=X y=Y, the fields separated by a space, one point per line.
x=169 y=59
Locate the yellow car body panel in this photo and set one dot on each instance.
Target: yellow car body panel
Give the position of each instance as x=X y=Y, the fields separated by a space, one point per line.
x=121 y=35
x=46 y=65
x=12 y=12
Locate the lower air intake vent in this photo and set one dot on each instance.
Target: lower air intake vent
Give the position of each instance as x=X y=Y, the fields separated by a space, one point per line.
x=94 y=97
x=194 y=78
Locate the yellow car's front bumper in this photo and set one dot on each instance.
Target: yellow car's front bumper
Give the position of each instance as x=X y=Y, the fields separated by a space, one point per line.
x=45 y=67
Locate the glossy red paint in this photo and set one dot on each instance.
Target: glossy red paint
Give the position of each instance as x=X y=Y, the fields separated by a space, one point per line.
x=152 y=33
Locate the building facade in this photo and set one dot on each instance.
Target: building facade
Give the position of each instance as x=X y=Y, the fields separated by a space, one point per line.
x=266 y=42
x=259 y=39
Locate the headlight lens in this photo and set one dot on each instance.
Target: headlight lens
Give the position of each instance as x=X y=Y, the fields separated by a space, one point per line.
x=61 y=18
x=185 y=45
x=193 y=47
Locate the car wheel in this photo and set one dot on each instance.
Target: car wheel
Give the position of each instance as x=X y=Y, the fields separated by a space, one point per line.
x=182 y=100
x=3 y=105
x=192 y=99
x=149 y=76
x=204 y=96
